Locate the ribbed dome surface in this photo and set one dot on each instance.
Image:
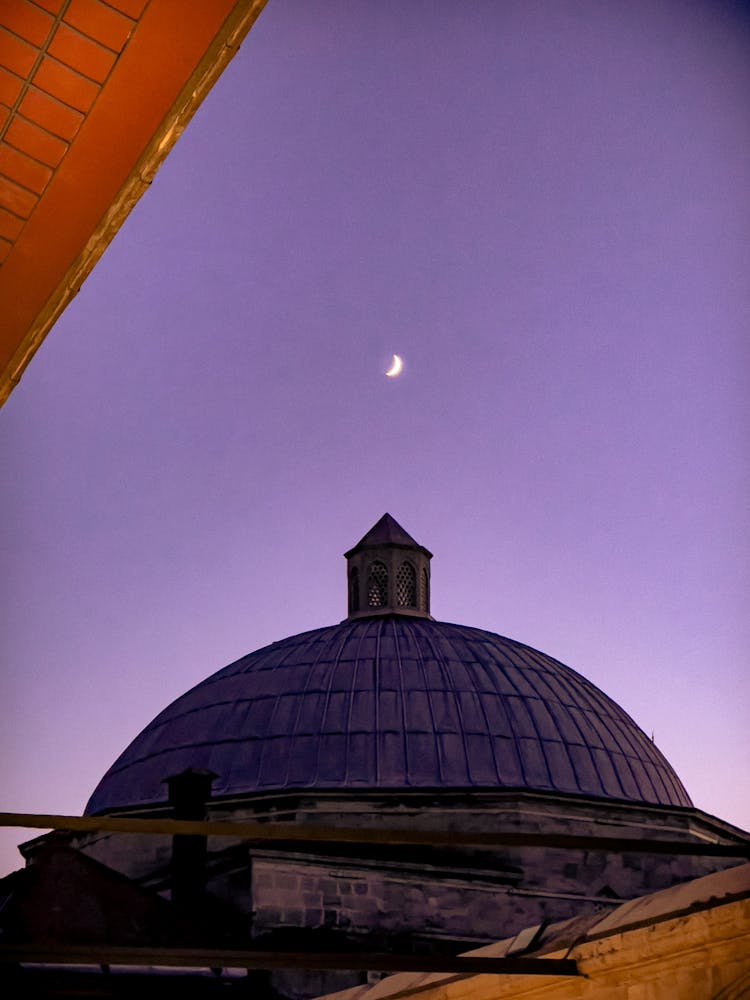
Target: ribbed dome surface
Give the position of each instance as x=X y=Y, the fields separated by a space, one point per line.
x=394 y=702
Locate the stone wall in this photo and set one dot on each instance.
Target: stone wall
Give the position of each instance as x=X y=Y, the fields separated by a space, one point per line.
x=362 y=898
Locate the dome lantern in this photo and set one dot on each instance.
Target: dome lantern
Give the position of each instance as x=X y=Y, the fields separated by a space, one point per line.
x=388 y=573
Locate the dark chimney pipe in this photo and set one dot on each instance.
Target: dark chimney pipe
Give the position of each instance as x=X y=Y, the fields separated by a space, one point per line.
x=188 y=793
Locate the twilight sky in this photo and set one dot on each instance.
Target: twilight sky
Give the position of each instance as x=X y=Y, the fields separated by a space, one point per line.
x=544 y=207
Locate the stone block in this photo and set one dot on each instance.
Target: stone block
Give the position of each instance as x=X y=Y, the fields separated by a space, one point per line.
x=287 y=881
x=268 y=915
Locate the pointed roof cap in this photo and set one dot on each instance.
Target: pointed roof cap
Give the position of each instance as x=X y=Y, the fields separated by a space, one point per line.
x=387 y=531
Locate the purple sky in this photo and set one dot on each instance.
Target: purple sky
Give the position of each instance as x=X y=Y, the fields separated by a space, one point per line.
x=544 y=208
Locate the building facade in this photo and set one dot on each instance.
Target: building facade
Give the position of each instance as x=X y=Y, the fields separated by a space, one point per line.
x=392 y=721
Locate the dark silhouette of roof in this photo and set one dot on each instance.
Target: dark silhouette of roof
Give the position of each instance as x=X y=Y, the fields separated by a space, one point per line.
x=387 y=531
x=67 y=897
x=395 y=703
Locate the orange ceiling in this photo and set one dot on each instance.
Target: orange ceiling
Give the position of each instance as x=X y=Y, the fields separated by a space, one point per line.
x=93 y=94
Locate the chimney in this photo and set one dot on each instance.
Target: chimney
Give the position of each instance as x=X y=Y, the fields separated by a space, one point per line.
x=188 y=793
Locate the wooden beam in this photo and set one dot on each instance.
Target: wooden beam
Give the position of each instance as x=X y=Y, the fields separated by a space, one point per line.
x=245 y=959
x=314 y=833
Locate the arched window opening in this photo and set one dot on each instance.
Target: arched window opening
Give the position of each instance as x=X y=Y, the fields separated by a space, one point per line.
x=377 y=586
x=424 y=592
x=354 y=591
x=406 y=586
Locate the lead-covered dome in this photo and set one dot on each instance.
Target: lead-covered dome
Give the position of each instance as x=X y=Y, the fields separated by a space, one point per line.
x=394 y=702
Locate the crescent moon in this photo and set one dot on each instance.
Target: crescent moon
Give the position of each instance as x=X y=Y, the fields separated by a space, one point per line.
x=396 y=365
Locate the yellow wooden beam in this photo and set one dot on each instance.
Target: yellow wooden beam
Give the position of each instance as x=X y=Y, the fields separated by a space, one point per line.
x=312 y=832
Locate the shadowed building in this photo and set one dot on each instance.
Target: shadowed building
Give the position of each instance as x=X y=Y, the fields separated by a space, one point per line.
x=391 y=720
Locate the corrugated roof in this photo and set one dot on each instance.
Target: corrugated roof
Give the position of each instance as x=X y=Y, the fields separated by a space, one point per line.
x=393 y=703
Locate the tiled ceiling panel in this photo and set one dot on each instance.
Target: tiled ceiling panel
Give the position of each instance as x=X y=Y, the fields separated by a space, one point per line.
x=93 y=95
x=55 y=57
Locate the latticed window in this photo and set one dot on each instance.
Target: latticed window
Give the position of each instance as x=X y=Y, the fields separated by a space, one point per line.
x=406 y=586
x=424 y=592
x=354 y=591
x=377 y=586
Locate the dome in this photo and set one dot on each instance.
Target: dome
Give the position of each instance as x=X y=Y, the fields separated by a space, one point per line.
x=394 y=701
